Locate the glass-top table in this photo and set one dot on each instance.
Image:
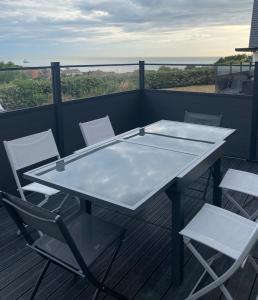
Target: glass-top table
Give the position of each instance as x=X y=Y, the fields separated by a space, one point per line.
x=130 y=169
x=120 y=173
x=126 y=171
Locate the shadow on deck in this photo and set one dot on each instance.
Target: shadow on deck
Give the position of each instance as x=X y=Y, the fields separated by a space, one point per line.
x=142 y=269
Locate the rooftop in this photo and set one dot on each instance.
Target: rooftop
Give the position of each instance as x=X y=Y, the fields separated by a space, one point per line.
x=253 y=43
x=253 y=40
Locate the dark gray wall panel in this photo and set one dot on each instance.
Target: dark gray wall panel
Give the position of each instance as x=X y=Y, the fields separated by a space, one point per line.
x=122 y=108
x=126 y=110
x=17 y=124
x=236 y=111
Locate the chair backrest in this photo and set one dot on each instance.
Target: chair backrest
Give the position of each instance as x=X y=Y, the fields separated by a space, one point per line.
x=203 y=119
x=42 y=220
x=97 y=130
x=29 y=150
x=26 y=151
x=24 y=212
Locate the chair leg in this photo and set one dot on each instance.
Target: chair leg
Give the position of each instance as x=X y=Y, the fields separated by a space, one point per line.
x=43 y=202
x=43 y=272
x=58 y=209
x=207 y=185
x=236 y=204
x=209 y=262
x=254 y=216
x=253 y=263
x=213 y=275
x=114 y=255
x=77 y=199
x=247 y=201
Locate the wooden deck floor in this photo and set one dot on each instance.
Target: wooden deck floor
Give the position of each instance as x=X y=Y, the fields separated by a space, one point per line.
x=142 y=269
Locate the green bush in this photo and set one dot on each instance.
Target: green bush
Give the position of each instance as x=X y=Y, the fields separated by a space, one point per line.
x=166 y=77
x=8 y=76
x=234 y=59
x=25 y=93
x=92 y=84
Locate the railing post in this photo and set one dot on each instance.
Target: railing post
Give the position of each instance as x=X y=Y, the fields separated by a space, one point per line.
x=141 y=74
x=254 y=120
x=57 y=101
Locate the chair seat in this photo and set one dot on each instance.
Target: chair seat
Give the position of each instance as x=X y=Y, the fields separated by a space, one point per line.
x=240 y=181
x=40 y=188
x=220 y=229
x=91 y=235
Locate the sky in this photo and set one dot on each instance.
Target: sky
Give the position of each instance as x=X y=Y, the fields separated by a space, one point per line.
x=122 y=28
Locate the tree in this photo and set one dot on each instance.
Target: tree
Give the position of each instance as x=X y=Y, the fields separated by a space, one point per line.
x=8 y=76
x=9 y=64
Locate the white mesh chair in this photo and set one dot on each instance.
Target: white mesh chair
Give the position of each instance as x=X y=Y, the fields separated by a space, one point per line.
x=27 y=151
x=229 y=234
x=203 y=119
x=97 y=130
x=243 y=182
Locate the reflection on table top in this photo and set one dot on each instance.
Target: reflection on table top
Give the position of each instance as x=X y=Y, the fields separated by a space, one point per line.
x=190 y=131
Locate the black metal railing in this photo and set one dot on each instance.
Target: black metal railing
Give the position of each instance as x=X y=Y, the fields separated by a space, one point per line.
x=50 y=81
x=18 y=92
x=208 y=78
x=89 y=80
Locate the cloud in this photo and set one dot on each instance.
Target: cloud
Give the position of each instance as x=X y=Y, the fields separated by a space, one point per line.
x=98 y=22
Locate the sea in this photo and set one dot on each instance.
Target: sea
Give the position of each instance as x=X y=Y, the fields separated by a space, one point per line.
x=75 y=61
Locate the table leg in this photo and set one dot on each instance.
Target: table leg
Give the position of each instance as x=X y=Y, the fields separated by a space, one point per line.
x=85 y=206
x=177 y=247
x=217 y=193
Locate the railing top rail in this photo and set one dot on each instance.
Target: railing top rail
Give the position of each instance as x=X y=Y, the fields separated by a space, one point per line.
x=67 y=66
x=99 y=65
x=197 y=64
x=126 y=64
x=24 y=68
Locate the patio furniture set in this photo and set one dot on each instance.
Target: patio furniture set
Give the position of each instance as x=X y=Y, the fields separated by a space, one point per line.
x=126 y=172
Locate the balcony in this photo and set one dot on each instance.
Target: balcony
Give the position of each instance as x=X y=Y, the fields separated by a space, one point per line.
x=142 y=268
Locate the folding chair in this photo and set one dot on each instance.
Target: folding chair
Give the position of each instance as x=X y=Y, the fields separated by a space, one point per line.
x=243 y=182
x=97 y=130
x=27 y=151
x=227 y=233
x=203 y=119
x=74 y=245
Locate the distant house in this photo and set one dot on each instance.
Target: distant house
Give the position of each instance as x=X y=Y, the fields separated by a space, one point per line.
x=35 y=74
x=39 y=73
x=71 y=72
x=241 y=81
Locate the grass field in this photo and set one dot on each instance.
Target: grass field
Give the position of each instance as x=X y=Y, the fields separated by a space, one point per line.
x=195 y=88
